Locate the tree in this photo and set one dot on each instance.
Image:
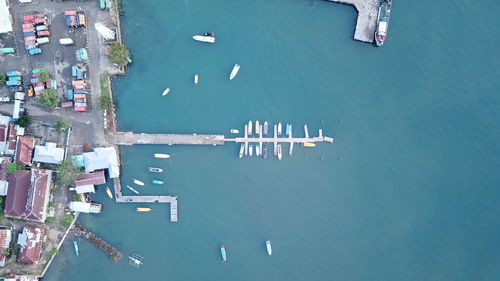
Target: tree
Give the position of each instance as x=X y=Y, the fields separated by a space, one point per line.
x=12 y=167
x=106 y=103
x=23 y=121
x=49 y=98
x=3 y=78
x=119 y=54
x=68 y=172
x=61 y=125
x=44 y=75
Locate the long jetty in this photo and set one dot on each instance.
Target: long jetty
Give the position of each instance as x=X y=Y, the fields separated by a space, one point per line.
x=366 y=22
x=129 y=138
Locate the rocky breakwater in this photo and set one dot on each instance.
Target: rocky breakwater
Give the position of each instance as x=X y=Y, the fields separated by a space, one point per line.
x=112 y=252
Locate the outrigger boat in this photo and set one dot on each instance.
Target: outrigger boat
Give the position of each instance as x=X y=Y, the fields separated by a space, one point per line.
x=196 y=78
x=141 y=209
x=132 y=189
x=155 y=170
x=167 y=90
x=223 y=253
x=161 y=155
x=234 y=72
x=269 y=249
x=108 y=191
x=75 y=245
x=138 y=182
x=157 y=182
x=136 y=260
x=242 y=149
x=207 y=37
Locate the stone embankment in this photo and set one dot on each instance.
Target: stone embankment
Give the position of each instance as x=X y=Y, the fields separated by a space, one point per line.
x=112 y=252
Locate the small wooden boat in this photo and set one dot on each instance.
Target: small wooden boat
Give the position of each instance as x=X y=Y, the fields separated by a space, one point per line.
x=108 y=191
x=167 y=90
x=141 y=209
x=269 y=249
x=157 y=182
x=75 y=245
x=223 y=253
x=132 y=189
x=161 y=155
x=234 y=72
x=138 y=182
x=155 y=170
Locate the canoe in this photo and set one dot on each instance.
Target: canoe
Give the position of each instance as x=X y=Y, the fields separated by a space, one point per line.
x=108 y=191
x=138 y=182
x=223 y=253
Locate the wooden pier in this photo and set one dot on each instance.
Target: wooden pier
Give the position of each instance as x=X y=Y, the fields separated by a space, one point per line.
x=366 y=22
x=129 y=138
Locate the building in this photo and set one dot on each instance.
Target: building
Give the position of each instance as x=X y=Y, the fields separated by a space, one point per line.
x=24 y=150
x=4 y=176
x=30 y=244
x=48 y=153
x=28 y=194
x=86 y=182
x=102 y=158
x=5 y=17
x=20 y=278
x=5 y=239
x=84 y=207
x=4 y=130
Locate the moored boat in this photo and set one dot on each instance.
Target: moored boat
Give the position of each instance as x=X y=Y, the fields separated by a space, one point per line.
x=308 y=144
x=132 y=189
x=161 y=155
x=250 y=147
x=280 y=152
x=384 y=14
x=234 y=72
x=266 y=128
x=242 y=149
x=249 y=128
x=141 y=209
x=223 y=253
x=75 y=245
x=264 y=151
x=234 y=131
x=165 y=92
x=196 y=78
x=207 y=37
x=257 y=150
x=138 y=182
x=155 y=170
x=279 y=129
x=257 y=127
x=269 y=249
x=108 y=191
x=157 y=182
x=287 y=130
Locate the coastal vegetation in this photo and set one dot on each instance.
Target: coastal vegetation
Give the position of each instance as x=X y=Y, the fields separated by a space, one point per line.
x=3 y=78
x=49 y=98
x=23 y=121
x=61 y=125
x=105 y=100
x=67 y=173
x=12 y=167
x=66 y=220
x=119 y=54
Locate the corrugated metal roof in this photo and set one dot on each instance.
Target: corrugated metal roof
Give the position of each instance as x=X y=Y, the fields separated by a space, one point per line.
x=5 y=18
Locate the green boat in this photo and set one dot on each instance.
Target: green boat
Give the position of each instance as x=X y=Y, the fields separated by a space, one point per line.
x=157 y=182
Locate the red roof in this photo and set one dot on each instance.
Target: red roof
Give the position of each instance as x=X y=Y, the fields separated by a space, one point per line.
x=94 y=178
x=4 y=161
x=3 y=133
x=24 y=150
x=12 y=138
x=28 y=194
x=30 y=244
x=5 y=238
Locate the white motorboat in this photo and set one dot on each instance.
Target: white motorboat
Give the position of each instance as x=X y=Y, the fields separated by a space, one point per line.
x=167 y=90
x=196 y=78
x=161 y=155
x=138 y=182
x=234 y=72
x=279 y=129
x=269 y=249
x=132 y=189
x=251 y=150
x=207 y=37
x=280 y=152
x=257 y=128
x=234 y=131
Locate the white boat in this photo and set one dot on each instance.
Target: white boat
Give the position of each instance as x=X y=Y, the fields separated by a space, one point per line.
x=251 y=149
x=161 y=155
x=266 y=128
x=269 y=249
x=138 y=182
x=257 y=150
x=155 y=170
x=167 y=90
x=136 y=260
x=257 y=127
x=132 y=189
x=196 y=78
x=207 y=37
x=279 y=129
x=249 y=132
x=234 y=72
x=242 y=149
x=75 y=245
x=280 y=152
x=234 y=131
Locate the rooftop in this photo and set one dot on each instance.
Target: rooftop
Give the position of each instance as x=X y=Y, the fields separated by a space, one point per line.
x=30 y=244
x=5 y=18
x=48 y=153
x=100 y=159
x=94 y=178
x=24 y=150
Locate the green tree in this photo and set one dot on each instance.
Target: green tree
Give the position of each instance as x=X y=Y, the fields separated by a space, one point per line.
x=12 y=167
x=61 y=125
x=44 y=75
x=23 y=121
x=119 y=54
x=49 y=98
x=67 y=172
x=3 y=78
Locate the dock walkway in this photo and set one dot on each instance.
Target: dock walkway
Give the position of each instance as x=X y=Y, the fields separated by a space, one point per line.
x=367 y=18
x=129 y=138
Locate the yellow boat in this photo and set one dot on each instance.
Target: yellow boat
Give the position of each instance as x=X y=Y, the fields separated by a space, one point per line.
x=308 y=144
x=108 y=191
x=143 y=209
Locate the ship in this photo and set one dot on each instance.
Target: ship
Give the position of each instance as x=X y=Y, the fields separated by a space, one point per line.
x=141 y=209
x=161 y=155
x=249 y=128
x=234 y=72
x=165 y=92
x=138 y=182
x=279 y=129
x=269 y=249
x=155 y=170
x=207 y=37
x=384 y=14
x=257 y=127
x=308 y=144
x=108 y=191
x=234 y=131
x=223 y=253
x=264 y=151
x=250 y=148
x=196 y=78
x=280 y=152
x=242 y=149
x=132 y=189
x=75 y=245
x=157 y=182
x=266 y=128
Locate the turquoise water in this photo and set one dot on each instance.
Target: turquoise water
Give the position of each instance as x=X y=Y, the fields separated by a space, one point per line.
x=414 y=196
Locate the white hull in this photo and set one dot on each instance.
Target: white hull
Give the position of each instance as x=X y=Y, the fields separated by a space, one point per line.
x=234 y=72
x=196 y=78
x=279 y=129
x=251 y=150
x=167 y=90
x=161 y=155
x=138 y=182
x=206 y=39
x=269 y=249
x=234 y=131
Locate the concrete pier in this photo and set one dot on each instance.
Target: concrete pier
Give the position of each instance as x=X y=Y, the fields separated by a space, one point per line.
x=367 y=18
x=129 y=138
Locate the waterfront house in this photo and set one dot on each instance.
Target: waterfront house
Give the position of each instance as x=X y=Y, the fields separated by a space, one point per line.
x=5 y=238
x=30 y=244
x=84 y=207
x=28 y=194
x=102 y=158
x=4 y=176
x=86 y=182
x=48 y=153
x=24 y=150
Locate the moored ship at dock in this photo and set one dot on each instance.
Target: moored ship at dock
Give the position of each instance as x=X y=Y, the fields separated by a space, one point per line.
x=249 y=132
x=266 y=128
x=384 y=14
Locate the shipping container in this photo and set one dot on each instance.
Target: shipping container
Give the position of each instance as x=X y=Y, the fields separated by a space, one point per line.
x=80 y=108
x=29 y=17
x=40 y=21
x=13 y=73
x=30 y=38
x=7 y=51
x=53 y=84
x=43 y=40
x=15 y=78
x=27 y=30
x=73 y=70
x=47 y=84
x=79 y=96
x=70 y=13
x=35 y=51
x=69 y=94
x=35 y=80
x=15 y=88
x=82 y=20
x=13 y=83
x=36 y=70
x=31 y=46
x=25 y=1
x=79 y=74
x=79 y=91
x=83 y=104
x=35 y=75
x=27 y=25
x=41 y=28
x=39 y=88
x=39 y=84
x=68 y=20
x=44 y=33
x=66 y=41
x=103 y=4
x=67 y=104
x=29 y=34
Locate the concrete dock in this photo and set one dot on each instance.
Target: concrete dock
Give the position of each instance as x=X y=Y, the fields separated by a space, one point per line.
x=129 y=138
x=367 y=18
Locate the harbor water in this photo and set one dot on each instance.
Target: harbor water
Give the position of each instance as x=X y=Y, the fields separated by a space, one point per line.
x=408 y=191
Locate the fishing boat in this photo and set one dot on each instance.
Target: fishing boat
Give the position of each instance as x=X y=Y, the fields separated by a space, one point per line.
x=249 y=128
x=155 y=170
x=108 y=191
x=157 y=182
x=138 y=182
x=75 y=245
x=279 y=129
x=242 y=149
x=384 y=14
x=269 y=249
x=280 y=152
x=264 y=151
x=196 y=78
x=223 y=253
x=308 y=144
x=136 y=260
x=161 y=155
x=165 y=92
x=234 y=131
x=250 y=148
x=266 y=128
x=207 y=37
x=142 y=209
x=287 y=130
x=234 y=72
x=257 y=127
x=257 y=150
x=132 y=189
